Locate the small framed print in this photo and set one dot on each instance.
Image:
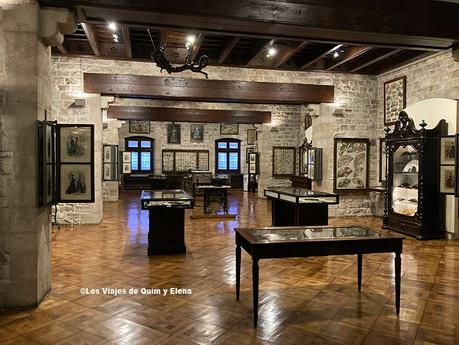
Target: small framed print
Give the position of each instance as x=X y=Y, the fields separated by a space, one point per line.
x=173 y=133
x=139 y=127
x=76 y=183
x=248 y=151
x=126 y=168
x=394 y=99
x=107 y=153
x=447 y=179
x=107 y=172
x=196 y=132
x=126 y=157
x=252 y=168
x=448 y=150
x=76 y=143
x=229 y=128
x=252 y=158
x=251 y=136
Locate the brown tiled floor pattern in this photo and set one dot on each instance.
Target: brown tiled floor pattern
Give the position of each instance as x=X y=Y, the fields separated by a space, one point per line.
x=302 y=301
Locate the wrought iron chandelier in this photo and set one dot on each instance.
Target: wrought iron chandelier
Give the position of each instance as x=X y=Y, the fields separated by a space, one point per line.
x=162 y=62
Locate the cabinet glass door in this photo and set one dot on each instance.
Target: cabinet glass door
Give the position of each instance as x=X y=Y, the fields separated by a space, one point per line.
x=405 y=181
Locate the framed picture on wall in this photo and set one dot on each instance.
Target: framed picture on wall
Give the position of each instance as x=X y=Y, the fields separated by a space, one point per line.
x=196 y=132
x=76 y=143
x=127 y=168
x=173 y=133
x=448 y=150
x=76 y=183
x=126 y=157
x=248 y=151
x=251 y=136
x=284 y=161
x=139 y=127
x=447 y=179
x=229 y=128
x=394 y=99
x=382 y=160
x=351 y=156
x=107 y=153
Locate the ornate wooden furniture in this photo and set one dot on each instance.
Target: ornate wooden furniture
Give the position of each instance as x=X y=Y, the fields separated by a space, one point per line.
x=166 y=209
x=298 y=206
x=214 y=193
x=287 y=242
x=413 y=203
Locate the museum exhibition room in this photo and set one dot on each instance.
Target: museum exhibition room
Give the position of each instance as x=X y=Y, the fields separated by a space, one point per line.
x=229 y=172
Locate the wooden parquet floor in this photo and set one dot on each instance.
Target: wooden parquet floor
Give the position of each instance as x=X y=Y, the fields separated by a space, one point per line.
x=302 y=301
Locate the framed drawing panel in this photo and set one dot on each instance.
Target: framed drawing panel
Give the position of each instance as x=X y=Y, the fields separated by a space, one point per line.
x=229 y=128
x=196 y=132
x=139 y=127
x=251 y=136
x=448 y=150
x=394 y=99
x=173 y=133
x=284 y=161
x=448 y=179
x=351 y=157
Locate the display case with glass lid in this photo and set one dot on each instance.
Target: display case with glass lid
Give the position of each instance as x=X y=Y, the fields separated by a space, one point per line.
x=413 y=203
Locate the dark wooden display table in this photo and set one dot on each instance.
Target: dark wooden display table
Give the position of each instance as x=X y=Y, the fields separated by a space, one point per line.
x=167 y=219
x=287 y=242
x=299 y=206
x=215 y=193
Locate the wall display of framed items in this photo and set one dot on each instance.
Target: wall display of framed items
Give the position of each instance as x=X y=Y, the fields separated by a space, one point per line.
x=248 y=151
x=311 y=162
x=284 y=161
x=139 y=127
x=254 y=163
x=173 y=133
x=448 y=164
x=415 y=177
x=229 y=128
x=382 y=160
x=76 y=162
x=196 y=133
x=394 y=99
x=184 y=160
x=110 y=164
x=251 y=136
x=351 y=156
x=126 y=163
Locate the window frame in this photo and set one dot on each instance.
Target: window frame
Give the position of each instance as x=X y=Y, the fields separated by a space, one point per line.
x=139 y=150
x=228 y=150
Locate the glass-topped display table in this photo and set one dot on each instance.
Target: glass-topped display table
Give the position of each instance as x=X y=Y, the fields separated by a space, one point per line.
x=166 y=219
x=299 y=206
x=286 y=242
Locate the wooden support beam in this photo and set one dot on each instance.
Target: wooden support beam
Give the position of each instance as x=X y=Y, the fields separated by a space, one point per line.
x=127 y=41
x=322 y=53
x=375 y=60
x=61 y=49
x=206 y=90
x=288 y=53
x=196 y=46
x=349 y=54
x=187 y=115
x=260 y=52
x=89 y=32
x=163 y=39
x=396 y=60
x=229 y=46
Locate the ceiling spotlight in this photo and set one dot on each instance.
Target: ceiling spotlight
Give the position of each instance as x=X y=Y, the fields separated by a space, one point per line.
x=335 y=54
x=190 y=39
x=271 y=52
x=112 y=26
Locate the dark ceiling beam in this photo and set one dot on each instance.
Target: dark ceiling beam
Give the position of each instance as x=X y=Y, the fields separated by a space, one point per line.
x=227 y=48
x=387 y=22
x=375 y=60
x=196 y=46
x=163 y=39
x=90 y=34
x=260 y=52
x=288 y=53
x=127 y=41
x=322 y=53
x=348 y=54
x=206 y=90
x=403 y=57
x=61 y=49
x=187 y=115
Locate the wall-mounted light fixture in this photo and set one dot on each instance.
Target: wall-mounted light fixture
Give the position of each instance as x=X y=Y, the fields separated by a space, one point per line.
x=79 y=103
x=338 y=112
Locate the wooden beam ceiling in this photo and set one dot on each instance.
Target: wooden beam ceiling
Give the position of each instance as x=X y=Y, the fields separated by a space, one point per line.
x=196 y=46
x=206 y=90
x=187 y=115
x=260 y=53
x=374 y=60
x=127 y=41
x=90 y=34
x=322 y=52
x=289 y=52
x=349 y=54
x=229 y=45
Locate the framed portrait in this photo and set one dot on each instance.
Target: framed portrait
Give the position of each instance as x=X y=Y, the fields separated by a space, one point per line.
x=447 y=179
x=76 y=183
x=107 y=171
x=126 y=157
x=107 y=153
x=382 y=160
x=248 y=151
x=127 y=168
x=448 y=150
x=76 y=143
x=229 y=128
x=139 y=127
x=110 y=163
x=251 y=136
x=196 y=132
x=394 y=99
x=284 y=161
x=173 y=133
x=351 y=156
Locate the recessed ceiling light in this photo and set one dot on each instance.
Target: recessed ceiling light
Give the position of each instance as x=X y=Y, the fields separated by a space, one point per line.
x=115 y=36
x=112 y=26
x=335 y=54
x=272 y=51
x=190 y=39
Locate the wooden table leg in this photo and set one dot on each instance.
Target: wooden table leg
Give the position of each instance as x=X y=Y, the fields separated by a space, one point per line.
x=238 y=270
x=398 y=268
x=359 y=271
x=255 y=290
